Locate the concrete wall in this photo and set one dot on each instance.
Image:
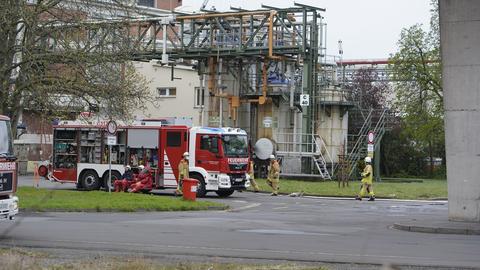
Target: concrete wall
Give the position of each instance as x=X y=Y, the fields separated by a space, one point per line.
x=182 y=104
x=460 y=44
x=333 y=129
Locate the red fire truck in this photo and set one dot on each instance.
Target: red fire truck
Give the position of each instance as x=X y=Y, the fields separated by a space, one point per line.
x=218 y=156
x=8 y=172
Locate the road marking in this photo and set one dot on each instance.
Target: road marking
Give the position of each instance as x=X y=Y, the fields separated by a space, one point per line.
x=285 y=232
x=236 y=250
x=244 y=207
x=278 y=208
x=376 y=199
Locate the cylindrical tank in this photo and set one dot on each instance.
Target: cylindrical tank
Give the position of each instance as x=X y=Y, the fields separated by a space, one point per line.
x=263 y=148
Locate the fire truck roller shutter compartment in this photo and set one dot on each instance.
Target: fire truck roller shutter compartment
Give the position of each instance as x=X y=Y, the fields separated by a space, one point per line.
x=142 y=147
x=146 y=138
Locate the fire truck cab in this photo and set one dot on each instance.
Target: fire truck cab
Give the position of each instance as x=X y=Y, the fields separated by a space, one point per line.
x=220 y=159
x=8 y=172
x=218 y=156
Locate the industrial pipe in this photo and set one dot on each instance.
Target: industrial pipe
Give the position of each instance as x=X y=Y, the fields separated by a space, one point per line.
x=220 y=92
x=223 y=14
x=263 y=97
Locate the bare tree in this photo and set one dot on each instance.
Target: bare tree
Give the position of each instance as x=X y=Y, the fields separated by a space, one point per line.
x=57 y=56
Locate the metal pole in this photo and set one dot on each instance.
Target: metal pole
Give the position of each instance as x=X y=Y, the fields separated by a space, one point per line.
x=164 y=45
x=220 y=96
x=109 y=168
x=202 y=99
x=376 y=159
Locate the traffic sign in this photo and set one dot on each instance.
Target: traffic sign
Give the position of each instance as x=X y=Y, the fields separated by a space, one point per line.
x=304 y=100
x=267 y=122
x=111 y=127
x=111 y=140
x=371 y=136
x=370 y=148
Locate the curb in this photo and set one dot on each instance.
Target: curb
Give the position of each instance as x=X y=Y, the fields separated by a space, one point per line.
x=440 y=230
x=345 y=197
x=91 y=210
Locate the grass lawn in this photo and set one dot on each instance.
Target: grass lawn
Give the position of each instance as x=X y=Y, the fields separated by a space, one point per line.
x=100 y=201
x=428 y=189
x=25 y=259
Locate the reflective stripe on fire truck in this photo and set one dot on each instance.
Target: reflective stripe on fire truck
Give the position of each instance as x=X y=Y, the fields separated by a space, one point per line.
x=168 y=175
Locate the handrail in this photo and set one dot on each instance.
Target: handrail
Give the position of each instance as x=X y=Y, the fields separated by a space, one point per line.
x=381 y=121
x=361 y=134
x=379 y=130
x=311 y=145
x=319 y=147
x=295 y=142
x=325 y=147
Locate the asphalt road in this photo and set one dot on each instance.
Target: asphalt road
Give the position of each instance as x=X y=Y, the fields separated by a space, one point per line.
x=258 y=227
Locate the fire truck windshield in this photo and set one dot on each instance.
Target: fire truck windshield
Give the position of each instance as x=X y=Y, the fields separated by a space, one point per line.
x=6 y=141
x=235 y=145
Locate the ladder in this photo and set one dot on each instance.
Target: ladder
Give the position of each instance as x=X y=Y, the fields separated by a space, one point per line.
x=322 y=159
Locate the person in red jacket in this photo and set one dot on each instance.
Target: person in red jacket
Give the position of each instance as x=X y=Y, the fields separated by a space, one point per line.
x=143 y=181
x=124 y=183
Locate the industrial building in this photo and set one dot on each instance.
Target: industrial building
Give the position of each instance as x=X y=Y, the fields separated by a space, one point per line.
x=265 y=71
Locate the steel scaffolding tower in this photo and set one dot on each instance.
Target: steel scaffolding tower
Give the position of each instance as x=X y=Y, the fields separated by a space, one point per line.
x=253 y=64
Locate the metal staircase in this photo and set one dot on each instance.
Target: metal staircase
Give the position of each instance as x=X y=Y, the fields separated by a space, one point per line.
x=321 y=160
x=376 y=121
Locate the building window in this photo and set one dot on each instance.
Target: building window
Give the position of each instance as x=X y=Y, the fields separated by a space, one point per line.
x=199 y=97
x=146 y=3
x=167 y=92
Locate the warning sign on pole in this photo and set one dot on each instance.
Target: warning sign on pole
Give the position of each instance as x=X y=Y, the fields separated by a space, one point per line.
x=371 y=145
x=111 y=140
x=371 y=137
x=304 y=100
x=370 y=150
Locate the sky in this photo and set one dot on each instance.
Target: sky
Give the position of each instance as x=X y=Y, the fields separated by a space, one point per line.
x=369 y=29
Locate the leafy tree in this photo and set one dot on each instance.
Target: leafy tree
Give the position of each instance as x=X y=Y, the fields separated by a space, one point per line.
x=419 y=95
x=369 y=91
x=400 y=157
x=54 y=58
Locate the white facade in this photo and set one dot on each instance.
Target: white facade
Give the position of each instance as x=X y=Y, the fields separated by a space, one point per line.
x=178 y=98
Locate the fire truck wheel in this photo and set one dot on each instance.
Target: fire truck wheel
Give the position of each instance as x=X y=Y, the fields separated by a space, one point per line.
x=201 y=191
x=224 y=193
x=90 y=180
x=115 y=176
